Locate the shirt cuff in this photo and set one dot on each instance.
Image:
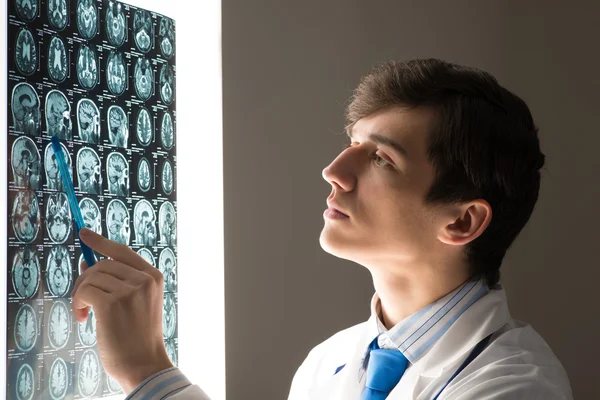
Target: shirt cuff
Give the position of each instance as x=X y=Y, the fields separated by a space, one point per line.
x=160 y=385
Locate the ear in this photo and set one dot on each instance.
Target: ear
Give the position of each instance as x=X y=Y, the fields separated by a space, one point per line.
x=472 y=220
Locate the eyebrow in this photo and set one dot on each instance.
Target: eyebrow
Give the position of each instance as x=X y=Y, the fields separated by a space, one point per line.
x=380 y=139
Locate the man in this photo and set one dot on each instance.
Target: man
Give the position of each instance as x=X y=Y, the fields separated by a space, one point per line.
x=440 y=175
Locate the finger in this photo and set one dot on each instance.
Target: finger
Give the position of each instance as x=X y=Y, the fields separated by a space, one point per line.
x=88 y=296
x=116 y=251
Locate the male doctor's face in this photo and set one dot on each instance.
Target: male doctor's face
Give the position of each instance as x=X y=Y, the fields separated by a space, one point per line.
x=381 y=189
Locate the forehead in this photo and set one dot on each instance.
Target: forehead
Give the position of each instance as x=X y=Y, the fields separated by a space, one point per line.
x=408 y=126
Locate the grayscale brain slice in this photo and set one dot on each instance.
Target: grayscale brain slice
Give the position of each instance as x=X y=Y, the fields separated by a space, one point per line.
x=59 y=379
x=25 y=107
x=166 y=33
x=27 y=9
x=143 y=78
x=143 y=30
x=167 y=265
x=144 y=127
x=58 y=115
x=116 y=74
x=166 y=83
x=57 y=13
x=88 y=171
x=112 y=385
x=26 y=55
x=115 y=23
x=167 y=177
x=26 y=272
x=88 y=375
x=59 y=325
x=25 y=328
x=166 y=131
x=58 y=217
x=143 y=175
x=87 y=330
x=88 y=121
x=58 y=271
x=87 y=18
x=26 y=216
x=117 y=222
x=117 y=172
x=87 y=67
x=53 y=177
x=25 y=383
x=118 y=130
x=57 y=60
x=144 y=219
x=26 y=163
x=169 y=316
x=147 y=255
x=91 y=215
x=167 y=224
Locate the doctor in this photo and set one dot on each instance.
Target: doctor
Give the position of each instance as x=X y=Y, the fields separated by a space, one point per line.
x=440 y=175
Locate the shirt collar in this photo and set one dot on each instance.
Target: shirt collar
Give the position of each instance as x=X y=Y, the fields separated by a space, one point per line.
x=417 y=333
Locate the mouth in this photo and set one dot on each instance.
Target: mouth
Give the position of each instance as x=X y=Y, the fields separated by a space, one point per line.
x=332 y=213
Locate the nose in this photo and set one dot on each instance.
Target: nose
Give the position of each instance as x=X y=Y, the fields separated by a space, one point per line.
x=340 y=173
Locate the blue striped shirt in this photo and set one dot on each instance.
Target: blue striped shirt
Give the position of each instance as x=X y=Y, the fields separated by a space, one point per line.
x=161 y=385
x=417 y=333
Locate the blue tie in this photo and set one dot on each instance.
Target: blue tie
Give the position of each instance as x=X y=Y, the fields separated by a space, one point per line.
x=385 y=369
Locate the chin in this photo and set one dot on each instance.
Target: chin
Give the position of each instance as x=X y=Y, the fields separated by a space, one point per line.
x=336 y=245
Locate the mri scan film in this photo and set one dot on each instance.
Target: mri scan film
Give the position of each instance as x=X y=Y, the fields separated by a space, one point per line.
x=101 y=76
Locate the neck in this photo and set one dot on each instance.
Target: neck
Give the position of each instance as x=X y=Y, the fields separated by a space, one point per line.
x=403 y=294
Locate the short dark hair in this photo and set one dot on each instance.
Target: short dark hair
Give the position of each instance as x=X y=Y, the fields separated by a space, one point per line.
x=485 y=145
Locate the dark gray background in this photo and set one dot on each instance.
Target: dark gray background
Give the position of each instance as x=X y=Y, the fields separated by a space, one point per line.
x=288 y=69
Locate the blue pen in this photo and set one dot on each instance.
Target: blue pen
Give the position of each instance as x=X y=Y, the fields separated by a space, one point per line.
x=88 y=254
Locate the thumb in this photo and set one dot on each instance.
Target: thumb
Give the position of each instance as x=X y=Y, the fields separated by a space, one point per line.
x=79 y=313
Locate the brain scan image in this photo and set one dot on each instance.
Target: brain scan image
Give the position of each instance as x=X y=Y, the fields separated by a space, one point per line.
x=25 y=107
x=143 y=127
x=166 y=83
x=144 y=222
x=143 y=30
x=87 y=329
x=87 y=67
x=26 y=272
x=88 y=121
x=58 y=217
x=166 y=265
x=118 y=126
x=112 y=385
x=57 y=14
x=166 y=131
x=171 y=351
x=117 y=172
x=147 y=255
x=53 y=178
x=169 y=316
x=26 y=163
x=167 y=177
x=117 y=222
x=26 y=216
x=27 y=9
x=88 y=374
x=25 y=383
x=115 y=23
x=143 y=175
x=57 y=60
x=116 y=74
x=26 y=55
x=143 y=78
x=167 y=224
x=58 y=271
x=58 y=115
x=88 y=171
x=26 y=328
x=59 y=325
x=59 y=379
x=87 y=18
x=91 y=215
x=166 y=34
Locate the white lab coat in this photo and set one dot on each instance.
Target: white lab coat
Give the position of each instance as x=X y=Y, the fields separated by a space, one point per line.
x=516 y=364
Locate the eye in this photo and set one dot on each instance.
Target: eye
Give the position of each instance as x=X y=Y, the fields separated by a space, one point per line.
x=378 y=161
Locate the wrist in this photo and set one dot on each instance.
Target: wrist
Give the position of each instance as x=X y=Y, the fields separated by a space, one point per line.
x=136 y=375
